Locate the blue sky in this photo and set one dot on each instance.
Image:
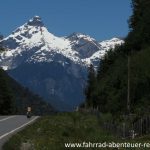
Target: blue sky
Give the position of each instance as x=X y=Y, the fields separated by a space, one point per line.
x=101 y=19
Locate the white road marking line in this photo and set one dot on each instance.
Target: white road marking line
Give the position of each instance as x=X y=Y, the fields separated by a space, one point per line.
x=18 y=128
x=7 y=118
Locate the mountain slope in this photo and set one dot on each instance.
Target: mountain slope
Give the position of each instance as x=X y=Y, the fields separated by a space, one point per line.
x=19 y=98
x=54 y=67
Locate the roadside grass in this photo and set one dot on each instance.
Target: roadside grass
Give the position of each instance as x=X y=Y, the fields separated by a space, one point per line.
x=52 y=132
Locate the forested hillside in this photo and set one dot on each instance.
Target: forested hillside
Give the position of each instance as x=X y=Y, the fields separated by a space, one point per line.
x=122 y=83
x=14 y=99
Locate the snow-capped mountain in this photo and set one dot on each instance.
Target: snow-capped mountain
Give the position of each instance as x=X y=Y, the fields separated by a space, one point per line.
x=49 y=65
x=33 y=43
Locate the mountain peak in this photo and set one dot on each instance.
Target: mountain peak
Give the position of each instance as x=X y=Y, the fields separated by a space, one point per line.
x=35 y=21
x=79 y=36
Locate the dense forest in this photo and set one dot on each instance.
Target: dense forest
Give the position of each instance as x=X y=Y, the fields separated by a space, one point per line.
x=121 y=85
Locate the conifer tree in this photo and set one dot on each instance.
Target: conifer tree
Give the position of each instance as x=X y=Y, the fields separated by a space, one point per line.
x=6 y=96
x=90 y=86
x=139 y=24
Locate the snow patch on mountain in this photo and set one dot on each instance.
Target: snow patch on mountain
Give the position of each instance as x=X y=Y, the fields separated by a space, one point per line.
x=104 y=47
x=110 y=44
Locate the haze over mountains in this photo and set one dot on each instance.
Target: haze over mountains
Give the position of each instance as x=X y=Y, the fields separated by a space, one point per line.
x=53 y=67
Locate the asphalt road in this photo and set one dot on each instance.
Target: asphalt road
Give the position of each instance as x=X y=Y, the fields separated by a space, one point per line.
x=11 y=124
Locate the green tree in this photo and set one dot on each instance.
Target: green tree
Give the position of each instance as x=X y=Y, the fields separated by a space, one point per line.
x=139 y=24
x=90 y=86
x=6 y=96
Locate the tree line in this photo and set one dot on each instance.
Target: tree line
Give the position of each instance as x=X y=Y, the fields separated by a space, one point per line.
x=122 y=82
x=14 y=98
